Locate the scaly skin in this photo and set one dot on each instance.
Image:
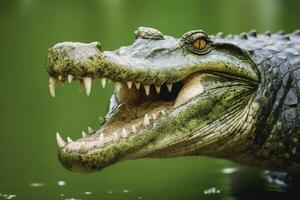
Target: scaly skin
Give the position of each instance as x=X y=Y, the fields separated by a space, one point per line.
x=235 y=98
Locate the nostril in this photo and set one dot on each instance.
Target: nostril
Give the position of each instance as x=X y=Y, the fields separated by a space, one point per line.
x=97 y=45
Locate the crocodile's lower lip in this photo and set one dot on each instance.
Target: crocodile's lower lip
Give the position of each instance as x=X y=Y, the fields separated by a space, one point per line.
x=141 y=108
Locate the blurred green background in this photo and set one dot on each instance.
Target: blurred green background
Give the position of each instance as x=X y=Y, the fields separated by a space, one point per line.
x=29 y=116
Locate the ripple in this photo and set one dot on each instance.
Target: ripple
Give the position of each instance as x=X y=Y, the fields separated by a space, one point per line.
x=72 y=199
x=7 y=196
x=61 y=183
x=36 y=184
x=212 y=190
x=229 y=170
x=88 y=193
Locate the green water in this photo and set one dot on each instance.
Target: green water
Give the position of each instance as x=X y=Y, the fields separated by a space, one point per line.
x=29 y=117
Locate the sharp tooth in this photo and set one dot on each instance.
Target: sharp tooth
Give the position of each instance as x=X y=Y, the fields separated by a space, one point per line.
x=146 y=121
x=137 y=85
x=60 y=77
x=100 y=142
x=124 y=133
x=90 y=130
x=61 y=143
x=157 y=87
x=129 y=84
x=133 y=129
x=70 y=78
x=87 y=84
x=82 y=146
x=52 y=86
x=69 y=140
x=103 y=82
x=147 y=89
x=115 y=137
x=83 y=134
x=169 y=86
x=118 y=86
x=153 y=116
x=101 y=119
x=163 y=112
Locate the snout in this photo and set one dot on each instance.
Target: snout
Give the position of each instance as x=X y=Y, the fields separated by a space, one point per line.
x=74 y=58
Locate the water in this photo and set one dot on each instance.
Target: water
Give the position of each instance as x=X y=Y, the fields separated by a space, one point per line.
x=29 y=117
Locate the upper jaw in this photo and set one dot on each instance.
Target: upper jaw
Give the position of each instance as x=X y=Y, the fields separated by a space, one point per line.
x=88 y=60
x=73 y=60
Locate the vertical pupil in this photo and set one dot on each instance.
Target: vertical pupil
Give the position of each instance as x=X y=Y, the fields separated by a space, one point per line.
x=199 y=44
x=202 y=44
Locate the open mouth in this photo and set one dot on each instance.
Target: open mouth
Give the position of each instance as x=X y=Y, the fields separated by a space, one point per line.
x=165 y=90
x=138 y=107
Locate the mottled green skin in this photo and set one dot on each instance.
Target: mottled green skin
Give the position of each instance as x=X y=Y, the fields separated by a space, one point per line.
x=249 y=112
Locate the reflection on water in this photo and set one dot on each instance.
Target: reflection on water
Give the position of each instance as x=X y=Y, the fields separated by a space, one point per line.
x=212 y=190
x=7 y=196
x=229 y=170
x=259 y=185
x=34 y=184
x=61 y=183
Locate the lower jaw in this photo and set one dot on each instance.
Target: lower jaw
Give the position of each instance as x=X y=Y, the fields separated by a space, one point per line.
x=95 y=159
x=74 y=154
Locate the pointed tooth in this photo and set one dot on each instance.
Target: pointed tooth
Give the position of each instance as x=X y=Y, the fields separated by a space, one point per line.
x=146 y=121
x=60 y=77
x=118 y=86
x=124 y=133
x=83 y=134
x=129 y=84
x=137 y=85
x=101 y=119
x=100 y=142
x=70 y=78
x=163 y=112
x=133 y=129
x=52 y=86
x=103 y=82
x=90 y=130
x=147 y=89
x=169 y=86
x=154 y=116
x=82 y=146
x=157 y=87
x=69 y=140
x=87 y=84
x=61 y=143
x=115 y=137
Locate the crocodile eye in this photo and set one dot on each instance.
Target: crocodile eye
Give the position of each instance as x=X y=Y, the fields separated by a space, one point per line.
x=199 y=43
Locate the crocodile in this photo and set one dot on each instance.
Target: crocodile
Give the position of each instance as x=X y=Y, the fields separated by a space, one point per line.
x=233 y=97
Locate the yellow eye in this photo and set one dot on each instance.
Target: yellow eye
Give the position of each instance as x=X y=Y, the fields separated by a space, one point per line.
x=199 y=43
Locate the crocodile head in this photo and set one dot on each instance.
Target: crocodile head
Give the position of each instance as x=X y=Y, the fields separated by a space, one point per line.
x=173 y=96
